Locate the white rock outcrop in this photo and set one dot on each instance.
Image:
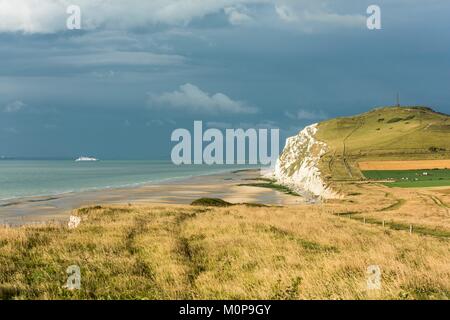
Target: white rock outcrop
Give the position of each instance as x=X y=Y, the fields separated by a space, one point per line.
x=297 y=166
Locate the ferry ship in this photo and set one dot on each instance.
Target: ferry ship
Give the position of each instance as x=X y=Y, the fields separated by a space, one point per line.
x=80 y=159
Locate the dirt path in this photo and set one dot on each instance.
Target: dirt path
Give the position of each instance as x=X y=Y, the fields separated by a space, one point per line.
x=437 y=201
x=344 y=155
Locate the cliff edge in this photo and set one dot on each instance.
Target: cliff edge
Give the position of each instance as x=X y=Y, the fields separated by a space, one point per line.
x=324 y=155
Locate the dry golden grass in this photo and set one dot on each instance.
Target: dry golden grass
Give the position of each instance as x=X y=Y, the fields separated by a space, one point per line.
x=426 y=208
x=239 y=252
x=404 y=165
x=443 y=191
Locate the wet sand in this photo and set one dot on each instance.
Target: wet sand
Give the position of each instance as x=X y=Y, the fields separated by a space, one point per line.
x=224 y=185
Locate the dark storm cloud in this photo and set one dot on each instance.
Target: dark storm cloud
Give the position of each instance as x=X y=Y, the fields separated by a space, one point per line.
x=293 y=61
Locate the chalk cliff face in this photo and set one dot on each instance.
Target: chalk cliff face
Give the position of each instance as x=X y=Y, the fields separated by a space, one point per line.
x=297 y=166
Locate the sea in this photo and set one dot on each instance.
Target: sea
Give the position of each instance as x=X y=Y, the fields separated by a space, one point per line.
x=29 y=178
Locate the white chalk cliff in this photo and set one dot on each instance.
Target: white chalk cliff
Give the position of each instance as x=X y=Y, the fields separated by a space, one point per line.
x=297 y=166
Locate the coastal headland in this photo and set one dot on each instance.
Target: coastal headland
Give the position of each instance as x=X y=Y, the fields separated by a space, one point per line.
x=350 y=199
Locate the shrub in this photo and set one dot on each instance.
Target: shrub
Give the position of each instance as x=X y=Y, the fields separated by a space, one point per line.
x=435 y=149
x=394 y=120
x=211 y=202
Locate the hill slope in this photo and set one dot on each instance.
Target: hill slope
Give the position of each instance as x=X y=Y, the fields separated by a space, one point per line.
x=392 y=133
x=336 y=146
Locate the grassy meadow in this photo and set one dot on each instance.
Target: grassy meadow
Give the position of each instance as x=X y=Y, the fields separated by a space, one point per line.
x=226 y=252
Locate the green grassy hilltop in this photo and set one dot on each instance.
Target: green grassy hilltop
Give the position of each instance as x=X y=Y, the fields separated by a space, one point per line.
x=389 y=133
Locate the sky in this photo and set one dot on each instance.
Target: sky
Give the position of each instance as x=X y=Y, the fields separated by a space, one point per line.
x=137 y=70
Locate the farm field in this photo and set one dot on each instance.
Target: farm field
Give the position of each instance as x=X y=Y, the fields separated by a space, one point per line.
x=404 y=165
x=411 y=178
x=391 y=138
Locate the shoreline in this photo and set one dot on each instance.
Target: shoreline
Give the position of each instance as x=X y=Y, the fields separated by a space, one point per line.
x=5 y=202
x=226 y=185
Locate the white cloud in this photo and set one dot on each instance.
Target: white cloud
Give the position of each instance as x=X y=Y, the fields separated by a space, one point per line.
x=285 y=13
x=31 y=15
x=236 y=17
x=14 y=106
x=47 y=16
x=349 y=20
x=103 y=74
x=303 y=114
x=192 y=99
x=309 y=14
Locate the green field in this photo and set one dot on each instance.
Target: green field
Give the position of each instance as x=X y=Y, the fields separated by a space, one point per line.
x=411 y=178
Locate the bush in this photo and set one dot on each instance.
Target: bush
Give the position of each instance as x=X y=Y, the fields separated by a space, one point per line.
x=435 y=149
x=211 y=202
x=394 y=120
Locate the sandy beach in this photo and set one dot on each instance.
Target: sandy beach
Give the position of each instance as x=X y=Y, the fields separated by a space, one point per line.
x=226 y=186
